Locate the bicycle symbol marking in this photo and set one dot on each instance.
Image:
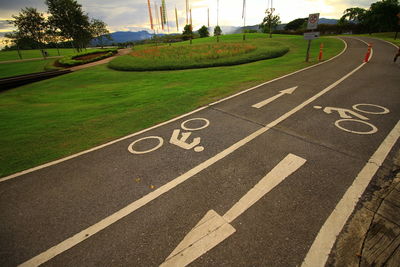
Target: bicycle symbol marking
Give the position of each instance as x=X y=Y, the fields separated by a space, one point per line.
x=178 y=138
x=348 y=115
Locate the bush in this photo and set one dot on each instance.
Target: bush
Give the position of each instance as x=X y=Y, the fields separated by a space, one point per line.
x=70 y=61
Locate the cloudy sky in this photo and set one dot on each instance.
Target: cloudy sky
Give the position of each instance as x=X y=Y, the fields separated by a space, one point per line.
x=125 y=15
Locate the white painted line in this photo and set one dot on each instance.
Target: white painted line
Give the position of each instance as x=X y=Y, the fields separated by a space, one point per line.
x=322 y=245
x=163 y=123
x=84 y=234
x=212 y=229
x=271 y=99
x=285 y=168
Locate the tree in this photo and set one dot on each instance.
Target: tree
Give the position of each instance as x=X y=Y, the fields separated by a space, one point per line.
x=382 y=15
x=73 y=23
x=203 y=31
x=269 y=22
x=187 y=33
x=31 y=25
x=355 y=14
x=217 y=31
x=15 y=38
x=99 y=31
x=297 y=24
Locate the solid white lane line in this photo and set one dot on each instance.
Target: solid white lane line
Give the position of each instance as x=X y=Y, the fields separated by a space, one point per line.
x=322 y=245
x=271 y=99
x=163 y=123
x=79 y=237
x=212 y=229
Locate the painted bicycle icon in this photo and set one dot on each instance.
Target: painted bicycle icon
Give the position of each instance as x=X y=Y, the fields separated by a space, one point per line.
x=353 y=117
x=178 y=138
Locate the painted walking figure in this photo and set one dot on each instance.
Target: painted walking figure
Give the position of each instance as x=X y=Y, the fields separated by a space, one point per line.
x=397 y=55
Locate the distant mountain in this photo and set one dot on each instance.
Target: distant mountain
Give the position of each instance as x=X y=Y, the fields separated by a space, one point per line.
x=328 y=21
x=122 y=37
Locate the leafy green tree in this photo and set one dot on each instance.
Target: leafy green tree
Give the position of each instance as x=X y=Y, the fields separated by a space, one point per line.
x=203 y=31
x=99 y=31
x=382 y=15
x=73 y=23
x=217 y=31
x=297 y=24
x=270 y=22
x=187 y=33
x=31 y=25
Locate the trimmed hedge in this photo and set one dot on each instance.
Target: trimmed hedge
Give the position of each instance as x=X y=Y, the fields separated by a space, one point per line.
x=70 y=61
x=130 y=63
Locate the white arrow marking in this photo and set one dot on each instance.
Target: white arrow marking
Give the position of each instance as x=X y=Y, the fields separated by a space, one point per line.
x=269 y=100
x=212 y=229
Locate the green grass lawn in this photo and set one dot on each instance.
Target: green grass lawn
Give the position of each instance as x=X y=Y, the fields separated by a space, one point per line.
x=54 y=118
x=27 y=54
x=19 y=68
x=387 y=36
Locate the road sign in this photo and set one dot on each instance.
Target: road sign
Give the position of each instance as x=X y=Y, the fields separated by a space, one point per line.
x=312 y=23
x=311 y=35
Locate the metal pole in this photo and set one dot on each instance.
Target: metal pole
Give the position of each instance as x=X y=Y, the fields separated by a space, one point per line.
x=308 y=50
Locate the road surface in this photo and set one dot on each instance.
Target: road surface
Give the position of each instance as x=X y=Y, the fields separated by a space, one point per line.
x=254 y=180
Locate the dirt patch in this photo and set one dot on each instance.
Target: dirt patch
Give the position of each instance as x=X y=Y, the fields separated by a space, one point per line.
x=91 y=56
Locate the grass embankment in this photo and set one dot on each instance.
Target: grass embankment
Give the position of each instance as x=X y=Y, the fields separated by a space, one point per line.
x=387 y=36
x=51 y=119
x=39 y=65
x=211 y=54
x=28 y=54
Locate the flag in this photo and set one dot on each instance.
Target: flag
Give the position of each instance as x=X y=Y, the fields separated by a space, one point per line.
x=208 y=17
x=151 y=17
x=161 y=16
x=164 y=11
x=244 y=9
x=176 y=17
x=187 y=12
x=191 y=21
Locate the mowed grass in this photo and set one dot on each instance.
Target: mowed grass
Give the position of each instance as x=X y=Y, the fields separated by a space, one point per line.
x=20 y=68
x=34 y=53
x=387 y=36
x=199 y=55
x=51 y=119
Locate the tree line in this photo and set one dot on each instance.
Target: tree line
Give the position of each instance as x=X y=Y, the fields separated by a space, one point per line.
x=381 y=16
x=65 y=23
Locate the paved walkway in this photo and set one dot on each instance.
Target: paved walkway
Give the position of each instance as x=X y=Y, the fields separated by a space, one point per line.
x=121 y=52
x=372 y=236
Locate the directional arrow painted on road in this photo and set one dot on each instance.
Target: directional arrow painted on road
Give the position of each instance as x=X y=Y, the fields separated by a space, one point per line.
x=212 y=229
x=271 y=99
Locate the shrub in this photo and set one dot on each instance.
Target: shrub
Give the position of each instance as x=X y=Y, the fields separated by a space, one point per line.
x=70 y=61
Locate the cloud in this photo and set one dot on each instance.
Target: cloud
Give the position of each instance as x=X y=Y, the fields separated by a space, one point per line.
x=133 y=14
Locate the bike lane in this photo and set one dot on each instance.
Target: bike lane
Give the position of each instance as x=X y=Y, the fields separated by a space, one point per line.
x=45 y=207
x=279 y=229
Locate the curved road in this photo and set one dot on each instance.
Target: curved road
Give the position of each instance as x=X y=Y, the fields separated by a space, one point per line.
x=254 y=180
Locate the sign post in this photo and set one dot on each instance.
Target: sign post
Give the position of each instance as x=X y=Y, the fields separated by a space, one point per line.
x=312 y=24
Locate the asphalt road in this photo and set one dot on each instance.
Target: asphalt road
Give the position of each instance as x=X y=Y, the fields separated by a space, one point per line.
x=132 y=209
